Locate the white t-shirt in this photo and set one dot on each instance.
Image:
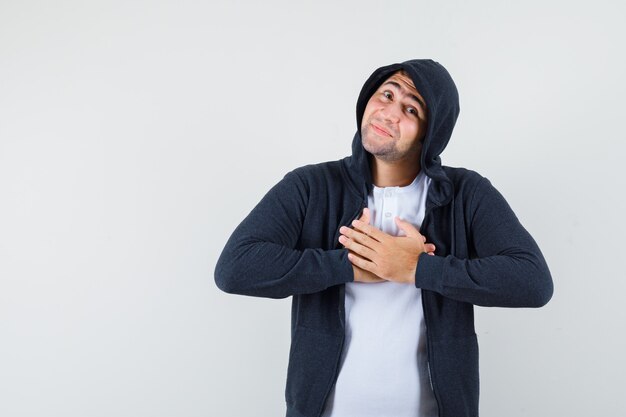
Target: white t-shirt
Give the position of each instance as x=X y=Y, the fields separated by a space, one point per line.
x=383 y=370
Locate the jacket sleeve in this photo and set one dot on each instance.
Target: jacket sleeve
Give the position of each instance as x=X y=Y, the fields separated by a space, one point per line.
x=509 y=270
x=260 y=257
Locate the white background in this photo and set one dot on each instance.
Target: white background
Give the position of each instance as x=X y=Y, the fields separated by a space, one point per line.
x=136 y=135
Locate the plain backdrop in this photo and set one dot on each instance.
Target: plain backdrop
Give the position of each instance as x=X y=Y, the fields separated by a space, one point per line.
x=136 y=135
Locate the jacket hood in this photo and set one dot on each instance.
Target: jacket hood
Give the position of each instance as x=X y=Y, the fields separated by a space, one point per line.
x=437 y=88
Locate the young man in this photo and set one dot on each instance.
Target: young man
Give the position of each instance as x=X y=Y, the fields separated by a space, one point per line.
x=385 y=253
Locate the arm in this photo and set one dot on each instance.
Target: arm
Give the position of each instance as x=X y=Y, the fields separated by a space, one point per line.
x=259 y=258
x=510 y=270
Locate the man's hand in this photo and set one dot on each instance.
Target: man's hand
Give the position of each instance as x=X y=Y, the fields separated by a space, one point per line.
x=391 y=258
x=362 y=275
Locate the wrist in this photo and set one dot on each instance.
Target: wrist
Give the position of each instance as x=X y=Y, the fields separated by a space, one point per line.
x=355 y=273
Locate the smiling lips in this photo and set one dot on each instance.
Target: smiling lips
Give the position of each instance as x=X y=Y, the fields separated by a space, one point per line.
x=380 y=130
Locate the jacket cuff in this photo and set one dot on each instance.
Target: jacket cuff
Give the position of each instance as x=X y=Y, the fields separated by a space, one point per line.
x=429 y=272
x=345 y=272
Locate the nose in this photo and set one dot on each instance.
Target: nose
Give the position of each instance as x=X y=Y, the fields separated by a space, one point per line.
x=390 y=113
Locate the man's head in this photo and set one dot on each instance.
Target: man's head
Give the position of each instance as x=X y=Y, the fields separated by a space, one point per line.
x=395 y=119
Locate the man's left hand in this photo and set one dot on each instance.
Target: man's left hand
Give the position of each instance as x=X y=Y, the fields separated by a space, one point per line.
x=393 y=258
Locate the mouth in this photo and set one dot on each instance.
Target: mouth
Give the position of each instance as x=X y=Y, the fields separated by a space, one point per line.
x=380 y=130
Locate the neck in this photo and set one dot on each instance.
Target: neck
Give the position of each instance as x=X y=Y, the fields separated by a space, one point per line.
x=394 y=173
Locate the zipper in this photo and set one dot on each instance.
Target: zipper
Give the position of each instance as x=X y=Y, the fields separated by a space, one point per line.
x=428 y=354
x=428 y=339
x=342 y=295
x=430 y=377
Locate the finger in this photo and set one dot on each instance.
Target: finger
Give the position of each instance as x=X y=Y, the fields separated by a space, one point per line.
x=359 y=237
x=365 y=216
x=429 y=247
x=362 y=263
x=370 y=230
x=356 y=247
x=409 y=229
x=424 y=238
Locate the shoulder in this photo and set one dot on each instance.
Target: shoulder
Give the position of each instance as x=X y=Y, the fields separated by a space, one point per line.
x=309 y=179
x=477 y=191
x=318 y=173
x=319 y=168
x=470 y=185
x=463 y=178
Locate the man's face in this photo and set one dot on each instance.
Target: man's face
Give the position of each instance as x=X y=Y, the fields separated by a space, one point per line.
x=394 y=120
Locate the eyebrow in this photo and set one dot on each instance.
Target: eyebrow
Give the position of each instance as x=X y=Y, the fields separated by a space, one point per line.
x=413 y=96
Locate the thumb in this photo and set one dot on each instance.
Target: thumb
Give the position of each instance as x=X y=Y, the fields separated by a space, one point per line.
x=408 y=228
x=365 y=217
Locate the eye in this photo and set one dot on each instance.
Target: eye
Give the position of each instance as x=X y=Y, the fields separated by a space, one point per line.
x=412 y=110
x=387 y=94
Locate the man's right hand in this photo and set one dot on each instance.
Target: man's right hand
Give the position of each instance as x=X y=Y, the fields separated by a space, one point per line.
x=361 y=275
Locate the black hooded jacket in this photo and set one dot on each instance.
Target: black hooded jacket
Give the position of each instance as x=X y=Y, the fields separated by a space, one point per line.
x=288 y=246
